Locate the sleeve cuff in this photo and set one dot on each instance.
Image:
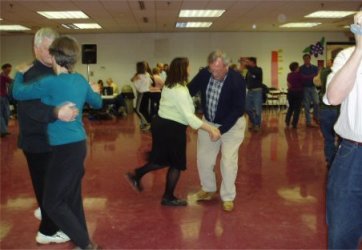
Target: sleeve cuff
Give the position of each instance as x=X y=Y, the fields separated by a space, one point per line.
x=325 y=100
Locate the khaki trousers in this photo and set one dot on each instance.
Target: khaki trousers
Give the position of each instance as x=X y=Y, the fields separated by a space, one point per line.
x=207 y=152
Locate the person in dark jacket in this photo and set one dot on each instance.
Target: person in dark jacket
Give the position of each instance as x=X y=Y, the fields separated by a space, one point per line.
x=33 y=117
x=295 y=95
x=254 y=97
x=223 y=93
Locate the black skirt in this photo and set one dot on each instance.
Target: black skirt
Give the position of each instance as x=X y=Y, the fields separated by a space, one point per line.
x=168 y=143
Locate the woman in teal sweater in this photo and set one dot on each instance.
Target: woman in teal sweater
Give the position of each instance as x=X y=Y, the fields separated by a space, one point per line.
x=62 y=197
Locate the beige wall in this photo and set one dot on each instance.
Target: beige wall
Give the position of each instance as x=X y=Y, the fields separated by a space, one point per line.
x=118 y=53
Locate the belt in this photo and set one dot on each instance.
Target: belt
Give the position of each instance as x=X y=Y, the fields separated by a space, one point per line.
x=359 y=144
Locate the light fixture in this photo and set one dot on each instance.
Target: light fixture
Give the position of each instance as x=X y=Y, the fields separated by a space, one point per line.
x=14 y=27
x=201 y=13
x=193 y=24
x=1 y=19
x=70 y=26
x=329 y=14
x=299 y=25
x=88 y=25
x=63 y=14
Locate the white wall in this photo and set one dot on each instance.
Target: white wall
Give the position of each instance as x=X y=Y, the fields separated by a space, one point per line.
x=118 y=53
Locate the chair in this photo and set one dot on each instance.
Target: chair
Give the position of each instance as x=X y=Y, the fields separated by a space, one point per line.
x=273 y=98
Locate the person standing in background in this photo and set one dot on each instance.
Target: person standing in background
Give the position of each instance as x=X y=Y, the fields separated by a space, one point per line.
x=5 y=82
x=34 y=117
x=328 y=115
x=309 y=71
x=162 y=73
x=295 y=95
x=254 y=97
x=142 y=81
x=344 y=189
x=223 y=93
x=242 y=67
x=155 y=91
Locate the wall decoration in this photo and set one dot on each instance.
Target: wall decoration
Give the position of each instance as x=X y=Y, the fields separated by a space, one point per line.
x=274 y=69
x=315 y=49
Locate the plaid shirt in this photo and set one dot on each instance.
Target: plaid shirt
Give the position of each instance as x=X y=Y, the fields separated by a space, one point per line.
x=213 y=91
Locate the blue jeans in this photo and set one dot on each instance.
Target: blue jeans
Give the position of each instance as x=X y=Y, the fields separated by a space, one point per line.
x=344 y=197
x=4 y=114
x=311 y=96
x=327 y=118
x=254 y=104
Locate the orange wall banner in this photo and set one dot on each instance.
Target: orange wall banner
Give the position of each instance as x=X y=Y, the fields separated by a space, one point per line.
x=274 y=69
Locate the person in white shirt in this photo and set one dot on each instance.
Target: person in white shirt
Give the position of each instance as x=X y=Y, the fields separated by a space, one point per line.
x=344 y=190
x=176 y=112
x=142 y=81
x=162 y=73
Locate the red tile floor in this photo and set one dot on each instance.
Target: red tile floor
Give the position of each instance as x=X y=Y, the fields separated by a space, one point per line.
x=280 y=201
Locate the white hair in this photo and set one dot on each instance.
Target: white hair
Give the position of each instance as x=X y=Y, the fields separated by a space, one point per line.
x=43 y=33
x=218 y=54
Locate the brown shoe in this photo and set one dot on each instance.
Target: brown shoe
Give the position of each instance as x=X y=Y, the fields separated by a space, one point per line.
x=204 y=196
x=228 y=206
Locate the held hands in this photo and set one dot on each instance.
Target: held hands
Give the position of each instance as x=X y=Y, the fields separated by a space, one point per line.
x=67 y=112
x=214 y=133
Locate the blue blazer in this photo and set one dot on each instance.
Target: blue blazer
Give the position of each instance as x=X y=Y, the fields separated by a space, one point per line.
x=231 y=104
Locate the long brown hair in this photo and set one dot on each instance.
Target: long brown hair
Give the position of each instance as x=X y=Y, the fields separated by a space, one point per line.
x=177 y=72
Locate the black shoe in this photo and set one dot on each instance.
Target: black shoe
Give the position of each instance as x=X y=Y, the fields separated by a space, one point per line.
x=173 y=202
x=136 y=184
x=90 y=246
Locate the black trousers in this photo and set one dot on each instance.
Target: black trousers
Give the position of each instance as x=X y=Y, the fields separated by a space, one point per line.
x=143 y=107
x=63 y=195
x=295 y=99
x=38 y=164
x=155 y=98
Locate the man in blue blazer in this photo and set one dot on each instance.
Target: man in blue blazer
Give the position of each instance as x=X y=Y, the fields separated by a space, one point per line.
x=223 y=93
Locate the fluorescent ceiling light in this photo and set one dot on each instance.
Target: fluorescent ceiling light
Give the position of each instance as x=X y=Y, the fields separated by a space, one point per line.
x=13 y=27
x=70 y=26
x=193 y=24
x=88 y=25
x=63 y=14
x=330 y=14
x=201 y=13
x=299 y=25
